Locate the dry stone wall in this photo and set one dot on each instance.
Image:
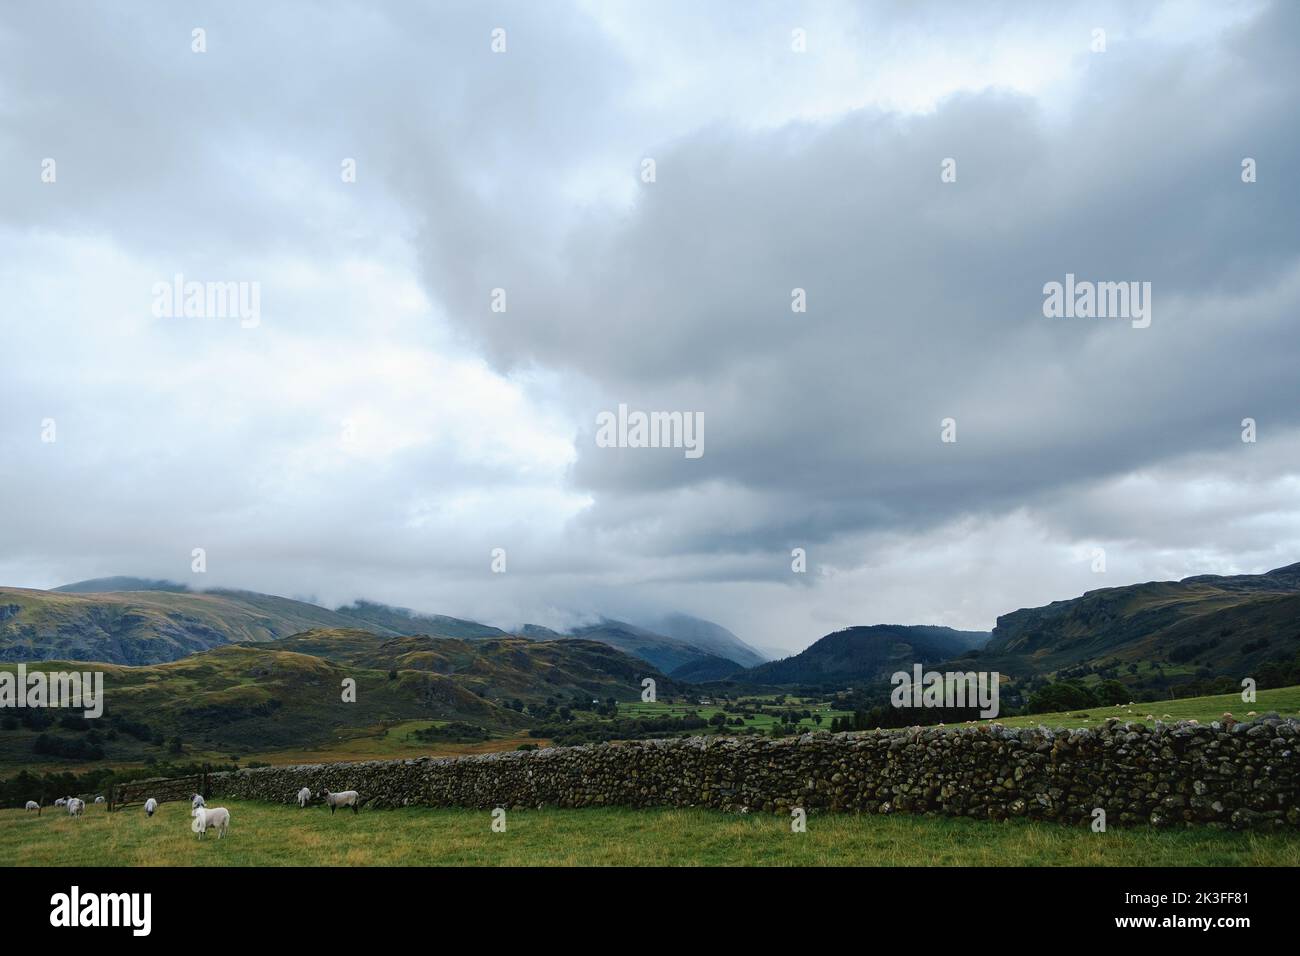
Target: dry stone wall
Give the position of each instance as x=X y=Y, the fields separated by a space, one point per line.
x=1245 y=775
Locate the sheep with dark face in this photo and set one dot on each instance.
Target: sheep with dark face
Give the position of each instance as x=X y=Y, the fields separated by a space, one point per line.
x=150 y=807
x=99 y=799
x=76 y=806
x=33 y=805
x=196 y=801
x=345 y=798
x=61 y=802
x=304 y=797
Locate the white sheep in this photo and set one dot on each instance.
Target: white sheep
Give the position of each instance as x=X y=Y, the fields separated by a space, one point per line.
x=99 y=799
x=150 y=807
x=346 y=798
x=33 y=805
x=197 y=801
x=304 y=797
x=76 y=806
x=217 y=818
x=61 y=802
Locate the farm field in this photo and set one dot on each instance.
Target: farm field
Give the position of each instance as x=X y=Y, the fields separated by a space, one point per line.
x=761 y=722
x=393 y=743
x=396 y=741
x=275 y=835
x=1284 y=700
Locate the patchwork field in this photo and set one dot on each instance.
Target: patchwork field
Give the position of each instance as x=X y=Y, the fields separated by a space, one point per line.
x=275 y=835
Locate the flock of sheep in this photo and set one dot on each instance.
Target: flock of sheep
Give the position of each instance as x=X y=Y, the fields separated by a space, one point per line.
x=211 y=818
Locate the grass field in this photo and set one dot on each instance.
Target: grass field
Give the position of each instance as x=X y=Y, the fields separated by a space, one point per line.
x=392 y=743
x=1284 y=700
x=762 y=722
x=396 y=741
x=273 y=835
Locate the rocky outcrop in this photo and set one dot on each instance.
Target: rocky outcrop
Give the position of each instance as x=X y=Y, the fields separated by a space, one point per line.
x=1245 y=775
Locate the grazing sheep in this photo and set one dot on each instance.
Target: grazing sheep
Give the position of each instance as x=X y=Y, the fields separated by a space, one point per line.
x=304 y=797
x=197 y=801
x=99 y=799
x=61 y=802
x=33 y=805
x=218 y=818
x=76 y=806
x=347 y=798
x=150 y=807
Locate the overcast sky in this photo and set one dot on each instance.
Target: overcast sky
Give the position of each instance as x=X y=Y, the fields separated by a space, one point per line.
x=380 y=429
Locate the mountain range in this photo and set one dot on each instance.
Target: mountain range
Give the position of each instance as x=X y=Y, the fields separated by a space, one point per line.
x=1201 y=626
x=122 y=620
x=857 y=654
x=1229 y=624
x=242 y=698
x=233 y=672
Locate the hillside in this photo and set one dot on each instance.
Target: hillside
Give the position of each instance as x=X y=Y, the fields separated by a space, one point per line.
x=145 y=627
x=712 y=638
x=120 y=583
x=1225 y=624
x=246 y=698
x=254 y=698
x=665 y=653
x=381 y=619
x=137 y=621
x=705 y=669
x=499 y=668
x=861 y=654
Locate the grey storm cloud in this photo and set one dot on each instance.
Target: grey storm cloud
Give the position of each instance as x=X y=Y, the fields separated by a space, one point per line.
x=479 y=171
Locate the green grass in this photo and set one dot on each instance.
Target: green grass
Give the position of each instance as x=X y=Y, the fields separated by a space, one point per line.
x=762 y=722
x=1284 y=700
x=274 y=835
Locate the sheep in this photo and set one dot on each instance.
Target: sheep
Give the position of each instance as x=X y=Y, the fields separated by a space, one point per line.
x=33 y=805
x=217 y=818
x=99 y=799
x=346 y=798
x=197 y=801
x=150 y=807
x=304 y=797
x=61 y=802
x=76 y=806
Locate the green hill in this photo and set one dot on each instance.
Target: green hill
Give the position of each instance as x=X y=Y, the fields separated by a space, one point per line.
x=399 y=620
x=259 y=697
x=241 y=699
x=145 y=627
x=1208 y=625
x=863 y=654
x=124 y=620
x=506 y=667
x=665 y=653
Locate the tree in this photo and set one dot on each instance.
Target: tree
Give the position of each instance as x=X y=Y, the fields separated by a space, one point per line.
x=1061 y=696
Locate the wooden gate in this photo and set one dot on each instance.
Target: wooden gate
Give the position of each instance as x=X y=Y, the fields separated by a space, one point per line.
x=162 y=789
